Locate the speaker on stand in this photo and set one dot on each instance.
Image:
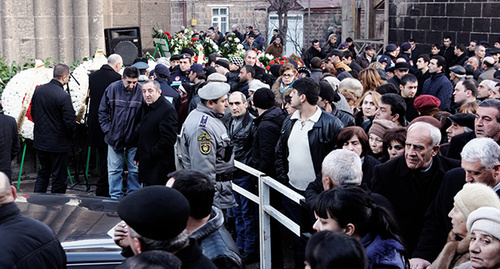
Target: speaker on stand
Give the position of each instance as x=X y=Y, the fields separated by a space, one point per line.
x=125 y=41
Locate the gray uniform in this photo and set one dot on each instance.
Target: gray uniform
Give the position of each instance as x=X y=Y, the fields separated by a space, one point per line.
x=206 y=147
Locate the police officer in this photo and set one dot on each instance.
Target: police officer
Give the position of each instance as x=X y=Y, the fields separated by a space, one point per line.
x=205 y=145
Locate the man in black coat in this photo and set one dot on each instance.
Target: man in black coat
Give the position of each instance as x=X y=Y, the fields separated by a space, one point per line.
x=98 y=82
x=480 y=163
x=27 y=243
x=412 y=181
x=155 y=155
x=55 y=124
x=9 y=143
x=313 y=51
x=266 y=135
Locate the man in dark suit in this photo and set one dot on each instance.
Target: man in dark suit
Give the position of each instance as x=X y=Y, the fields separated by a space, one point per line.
x=480 y=163
x=98 y=82
x=487 y=124
x=411 y=182
x=55 y=124
x=157 y=135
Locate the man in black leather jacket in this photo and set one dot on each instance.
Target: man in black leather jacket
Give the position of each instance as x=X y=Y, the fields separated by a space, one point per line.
x=240 y=130
x=307 y=136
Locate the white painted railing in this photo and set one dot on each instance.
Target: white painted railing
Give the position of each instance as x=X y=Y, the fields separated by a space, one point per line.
x=266 y=211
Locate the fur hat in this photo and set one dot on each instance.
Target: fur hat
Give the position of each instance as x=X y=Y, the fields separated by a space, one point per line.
x=486 y=219
x=379 y=127
x=474 y=196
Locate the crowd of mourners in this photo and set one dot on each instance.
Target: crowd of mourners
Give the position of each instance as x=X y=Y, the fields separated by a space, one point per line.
x=397 y=154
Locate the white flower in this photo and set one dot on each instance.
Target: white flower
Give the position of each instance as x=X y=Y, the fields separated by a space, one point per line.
x=237 y=40
x=240 y=47
x=18 y=86
x=230 y=38
x=226 y=45
x=160 y=31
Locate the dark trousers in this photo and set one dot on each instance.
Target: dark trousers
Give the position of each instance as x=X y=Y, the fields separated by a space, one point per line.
x=52 y=164
x=102 y=186
x=304 y=218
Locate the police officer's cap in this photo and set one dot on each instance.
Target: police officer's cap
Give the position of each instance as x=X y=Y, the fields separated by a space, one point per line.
x=155 y=212
x=214 y=90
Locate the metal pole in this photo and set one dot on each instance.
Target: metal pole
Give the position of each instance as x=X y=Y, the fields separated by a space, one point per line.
x=265 y=226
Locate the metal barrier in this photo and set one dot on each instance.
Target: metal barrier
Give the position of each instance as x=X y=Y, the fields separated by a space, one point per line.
x=266 y=211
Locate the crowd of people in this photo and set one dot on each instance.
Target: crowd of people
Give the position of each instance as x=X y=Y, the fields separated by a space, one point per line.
x=397 y=154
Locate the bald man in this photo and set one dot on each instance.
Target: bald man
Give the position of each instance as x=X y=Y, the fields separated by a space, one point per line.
x=26 y=243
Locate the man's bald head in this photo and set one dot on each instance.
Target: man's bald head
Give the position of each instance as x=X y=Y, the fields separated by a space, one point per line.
x=7 y=191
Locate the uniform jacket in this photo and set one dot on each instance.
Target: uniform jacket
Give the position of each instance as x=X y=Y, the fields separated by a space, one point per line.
x=387 y=60
x=119 y=115
x=178 y=77
x=267 y=133
x=216 y=242
x=440 y=86
x=383 y=253
x=410 y=191
x=54 y=118
x=157 y=136
x=27 y=243
x=98 y=82
x=206 y=147
x=172 y=95
x=9 y=143
x=322 y=140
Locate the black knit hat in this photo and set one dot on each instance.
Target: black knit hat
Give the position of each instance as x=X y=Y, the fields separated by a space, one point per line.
x=155 y=212
x=263 y=98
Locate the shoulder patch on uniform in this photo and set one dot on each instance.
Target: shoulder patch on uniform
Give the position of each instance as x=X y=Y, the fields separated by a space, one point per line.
x=205 y=144
x=203 y=121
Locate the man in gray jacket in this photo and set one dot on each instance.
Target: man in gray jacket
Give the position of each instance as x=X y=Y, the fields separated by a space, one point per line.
x=205 y=145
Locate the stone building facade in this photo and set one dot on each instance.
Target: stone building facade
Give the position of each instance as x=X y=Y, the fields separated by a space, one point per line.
x=71 y=30
x=429 y=21
x=223 y=13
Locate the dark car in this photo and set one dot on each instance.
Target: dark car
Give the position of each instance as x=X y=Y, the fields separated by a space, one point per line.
x=83 y=224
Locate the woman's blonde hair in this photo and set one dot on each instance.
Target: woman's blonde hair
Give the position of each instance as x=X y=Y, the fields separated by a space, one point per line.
x=375 y=95
x=370 y=79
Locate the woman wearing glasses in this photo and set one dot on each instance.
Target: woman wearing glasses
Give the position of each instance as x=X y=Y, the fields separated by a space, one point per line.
x=283 y=85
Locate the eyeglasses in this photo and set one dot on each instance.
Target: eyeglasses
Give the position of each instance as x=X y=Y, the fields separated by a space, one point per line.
x=288 y=75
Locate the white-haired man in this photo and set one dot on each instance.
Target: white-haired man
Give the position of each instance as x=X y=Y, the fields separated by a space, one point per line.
x=411 y=181
x=480 y=163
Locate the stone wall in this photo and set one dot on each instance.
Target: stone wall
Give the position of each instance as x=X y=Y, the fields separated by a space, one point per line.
x=320 y=21
x=429 y=21
x=241 y=13
x=71 y=30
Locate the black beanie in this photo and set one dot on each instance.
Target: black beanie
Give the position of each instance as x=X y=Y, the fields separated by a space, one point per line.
x=263 y=98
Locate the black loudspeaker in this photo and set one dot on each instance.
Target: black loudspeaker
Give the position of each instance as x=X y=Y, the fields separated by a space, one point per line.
x=125 y=41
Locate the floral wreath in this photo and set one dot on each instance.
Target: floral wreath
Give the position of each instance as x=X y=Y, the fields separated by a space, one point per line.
x=160 y=34
x=265 y=60
x=232 y=47
x=16 y=91
x=281 y=61
x=183 y=39
x=209 y=46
